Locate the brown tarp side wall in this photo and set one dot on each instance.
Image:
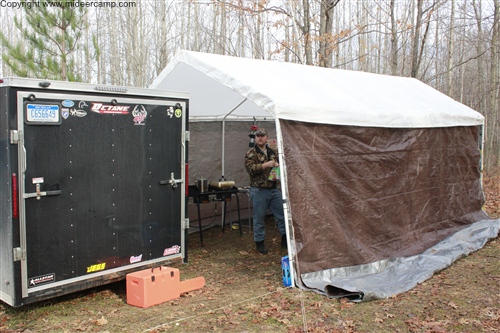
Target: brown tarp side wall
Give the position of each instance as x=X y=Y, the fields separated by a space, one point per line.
x=358 y=195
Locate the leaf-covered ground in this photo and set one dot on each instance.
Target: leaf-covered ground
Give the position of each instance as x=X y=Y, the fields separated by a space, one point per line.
x=244 y=293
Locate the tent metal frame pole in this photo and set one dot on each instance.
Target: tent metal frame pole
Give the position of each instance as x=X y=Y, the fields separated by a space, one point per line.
x=482 y=136
x=286 y=207
x=224 y=135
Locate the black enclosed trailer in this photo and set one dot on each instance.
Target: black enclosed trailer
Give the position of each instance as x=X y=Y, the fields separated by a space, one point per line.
x=93 y=185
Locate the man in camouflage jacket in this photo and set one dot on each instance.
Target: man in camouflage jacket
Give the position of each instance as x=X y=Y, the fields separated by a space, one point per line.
x=264 y=193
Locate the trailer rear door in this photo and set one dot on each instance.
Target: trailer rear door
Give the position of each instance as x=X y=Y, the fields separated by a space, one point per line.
x=103 y=184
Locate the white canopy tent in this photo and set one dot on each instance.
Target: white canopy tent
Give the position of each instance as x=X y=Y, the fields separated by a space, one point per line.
x=392 y=118
x=290 y=91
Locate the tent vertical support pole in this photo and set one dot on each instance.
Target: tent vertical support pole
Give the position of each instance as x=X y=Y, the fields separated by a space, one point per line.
x=224 y=135
x=223 y=148
x=481 y=154
x=284 y=194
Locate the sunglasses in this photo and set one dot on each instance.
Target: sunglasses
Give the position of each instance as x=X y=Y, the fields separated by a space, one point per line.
x=260 y=135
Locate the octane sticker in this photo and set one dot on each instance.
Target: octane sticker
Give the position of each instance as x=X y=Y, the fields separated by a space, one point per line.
x=139 y=114
x=172 y=250
x=96 y=268
x=109 y=109
x=35 y=281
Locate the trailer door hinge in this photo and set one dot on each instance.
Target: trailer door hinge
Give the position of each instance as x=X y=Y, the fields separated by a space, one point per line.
x=187 y=136
x=186 y=224
x=14 y=137
x=19 y=254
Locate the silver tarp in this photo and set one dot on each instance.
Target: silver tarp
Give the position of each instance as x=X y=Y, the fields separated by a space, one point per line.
x=385 y=278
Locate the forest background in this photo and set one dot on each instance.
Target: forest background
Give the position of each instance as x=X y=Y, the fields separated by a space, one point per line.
x=451 y=45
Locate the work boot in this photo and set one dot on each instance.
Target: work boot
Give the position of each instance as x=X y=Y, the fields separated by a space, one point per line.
x=260 y=247
x=284 y=244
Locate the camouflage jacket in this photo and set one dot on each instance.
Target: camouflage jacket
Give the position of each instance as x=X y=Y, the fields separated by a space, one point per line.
x=253 y=164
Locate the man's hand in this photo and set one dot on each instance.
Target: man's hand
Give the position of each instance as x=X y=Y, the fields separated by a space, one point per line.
x=270 y=164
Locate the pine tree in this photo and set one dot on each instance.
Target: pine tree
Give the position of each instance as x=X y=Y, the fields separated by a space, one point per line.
x=50 y=33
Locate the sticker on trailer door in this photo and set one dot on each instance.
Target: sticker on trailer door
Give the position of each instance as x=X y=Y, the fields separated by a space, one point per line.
x=68 y=103
x=43 y=114
x=172 y=250
x=96 y=267
x=178 y=112
x=139 y=114
x=170 y=111
x=38 y=280
x=79 y=112
x=109 y=108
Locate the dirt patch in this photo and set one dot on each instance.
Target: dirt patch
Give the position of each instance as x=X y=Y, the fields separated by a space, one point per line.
x=244 y=293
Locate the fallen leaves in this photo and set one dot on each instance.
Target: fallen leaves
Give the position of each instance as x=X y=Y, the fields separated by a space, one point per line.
x=345 y=304
x=101 y=321
x=244 y=293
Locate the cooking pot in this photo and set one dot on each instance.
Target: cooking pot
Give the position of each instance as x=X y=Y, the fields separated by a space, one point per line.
x=202 y=184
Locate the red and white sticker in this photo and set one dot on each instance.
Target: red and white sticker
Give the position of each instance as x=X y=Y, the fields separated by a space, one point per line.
x=37 y=180
x=110 y=109
x=172 y=250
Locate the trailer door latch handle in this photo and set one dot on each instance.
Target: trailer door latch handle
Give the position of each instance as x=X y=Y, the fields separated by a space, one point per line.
x=172 y=181
x=38 y=194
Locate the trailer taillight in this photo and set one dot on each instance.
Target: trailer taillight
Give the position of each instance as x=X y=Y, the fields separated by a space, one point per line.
x=187 y=180
x=15 y=197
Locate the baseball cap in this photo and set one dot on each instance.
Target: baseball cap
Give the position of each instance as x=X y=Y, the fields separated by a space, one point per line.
x=261 y=131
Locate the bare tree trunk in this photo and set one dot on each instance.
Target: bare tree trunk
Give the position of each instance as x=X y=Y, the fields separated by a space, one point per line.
x=98 y=41
x=362 y=15
x=197 y=27
x=495 y=78
x=338 y=21
x=380 y=41
x=325 y=32
x=295 y=43
x=241 y=30
x=288 y=38
x=223 y=29
x=394 y=39
x=161 y=33
x=416 y=39
x=215 y=24
x=481 y=78
x=88 y=57
x=185 y=27
x=451 y=44
x=306 y=30
x=257 y=40
x=114 y=61
x=438 y=78
x=480 y=50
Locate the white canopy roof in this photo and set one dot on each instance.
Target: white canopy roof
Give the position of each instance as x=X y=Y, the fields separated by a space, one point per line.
x=224 y=87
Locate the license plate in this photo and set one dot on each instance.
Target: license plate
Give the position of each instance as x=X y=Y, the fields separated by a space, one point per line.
x=42 y=113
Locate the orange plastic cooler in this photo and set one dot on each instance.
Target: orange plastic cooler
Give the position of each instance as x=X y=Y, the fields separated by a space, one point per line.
x=157 y=285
